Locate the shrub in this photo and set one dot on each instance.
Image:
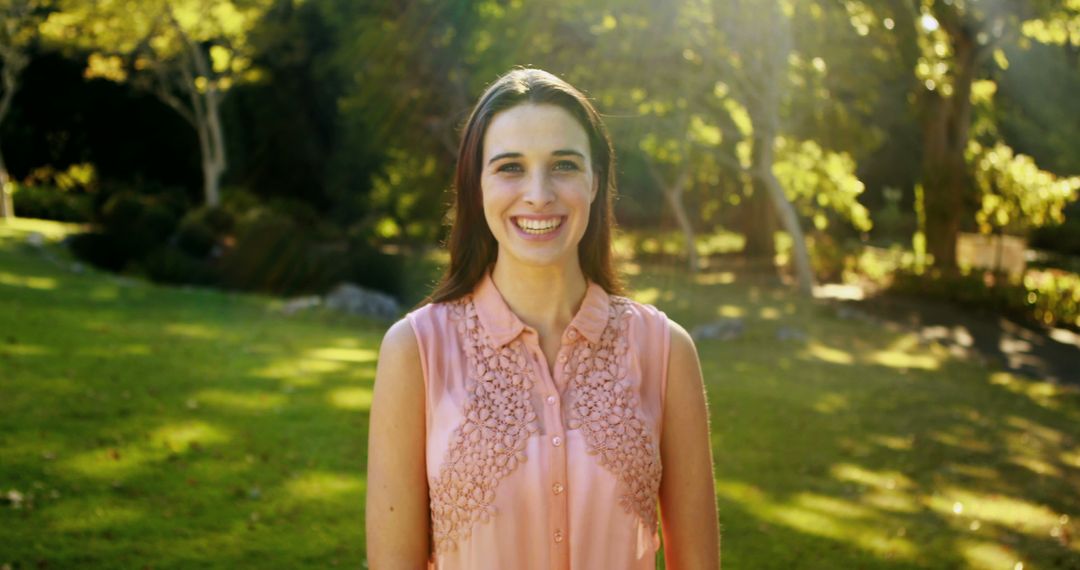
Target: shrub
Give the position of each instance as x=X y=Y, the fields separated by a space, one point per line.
x=168 y=264
x=272 y=254
x=371 y=268
x=51 y=203
x=202 y=228
x=1048 y=297
x=105 y=250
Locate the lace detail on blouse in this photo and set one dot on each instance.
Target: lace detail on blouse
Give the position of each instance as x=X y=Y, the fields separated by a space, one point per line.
x=490 y=442
x=607 y=412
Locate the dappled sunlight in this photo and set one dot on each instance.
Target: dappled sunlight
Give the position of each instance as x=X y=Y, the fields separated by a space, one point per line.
x=730 y=311
x=988 y=555
x=50 y=229
x=1071 y=458
x=964 y=505
x=894 y=442
x=769 y=313
x=887 y=480
x=240 y=401
x=21 y=349
x=962 y=437
x=355 y=398
x=890 y=501
x=123 y=460
x=828 y=354
x=307 y=368
x=1044 y=394
x=648 y=295
x=114 y=462
x=832 y=403
x=1036 y=465
x=28 y=281
x=181 y=436
x=833 y=506
x=357 y=355
x=715 y=278
x=1031 y=429
x=192 y=330
x=821 y=515
x=83 y=515
x=904 y=353
x=323 y=486
x=116 y=350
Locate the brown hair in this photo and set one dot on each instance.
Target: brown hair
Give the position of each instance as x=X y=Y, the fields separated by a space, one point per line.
x=472 y=246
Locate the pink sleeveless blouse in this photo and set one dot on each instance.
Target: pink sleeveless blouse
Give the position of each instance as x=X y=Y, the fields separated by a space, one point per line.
x=530 y=468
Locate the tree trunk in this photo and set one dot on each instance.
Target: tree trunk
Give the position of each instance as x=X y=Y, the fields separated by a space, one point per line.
x=946 y=122
x=13 y=65
x=759 y=220
x=789 y=220
x=204 y=113
x=7 y=206
x=673 y=193
x=674 y=197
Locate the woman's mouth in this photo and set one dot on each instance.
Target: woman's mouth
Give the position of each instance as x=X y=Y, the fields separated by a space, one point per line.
x=544 y=227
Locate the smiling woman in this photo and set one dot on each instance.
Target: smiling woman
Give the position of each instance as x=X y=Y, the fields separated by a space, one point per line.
x=520 y=415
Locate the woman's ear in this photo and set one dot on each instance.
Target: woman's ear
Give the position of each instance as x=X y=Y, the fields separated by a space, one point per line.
x=595 y=188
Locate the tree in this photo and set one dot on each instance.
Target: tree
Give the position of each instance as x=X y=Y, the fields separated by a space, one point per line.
x=958 y=40
x=19 y=20
x=188 y=52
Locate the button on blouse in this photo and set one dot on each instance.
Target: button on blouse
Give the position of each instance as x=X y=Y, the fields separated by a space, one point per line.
x=502 y=428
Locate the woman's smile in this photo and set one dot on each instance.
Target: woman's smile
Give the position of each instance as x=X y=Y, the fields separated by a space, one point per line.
x=538 y=228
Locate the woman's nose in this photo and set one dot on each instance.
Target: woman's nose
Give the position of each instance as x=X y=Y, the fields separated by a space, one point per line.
x=539 y=191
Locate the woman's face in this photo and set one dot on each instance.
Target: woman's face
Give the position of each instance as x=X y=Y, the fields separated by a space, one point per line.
x=537 y=184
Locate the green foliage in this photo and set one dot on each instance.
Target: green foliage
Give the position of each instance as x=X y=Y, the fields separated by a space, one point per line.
x=1046 y=297
x=51 y=203
x=1017 y=194
x=168 y=264
x=820 y=183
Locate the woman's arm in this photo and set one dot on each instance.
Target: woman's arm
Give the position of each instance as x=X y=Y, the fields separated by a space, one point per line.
x=687 y=492
x=397 y=491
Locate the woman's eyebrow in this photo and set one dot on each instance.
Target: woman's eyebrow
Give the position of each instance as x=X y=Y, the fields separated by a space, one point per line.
x=560 y=152
x=503 y=155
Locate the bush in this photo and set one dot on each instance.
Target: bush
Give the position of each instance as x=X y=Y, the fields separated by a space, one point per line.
x=101 y=249
x=1048 y=297
x=202 y=228
x=273 y=254
x=51 y=203
x=371 y=268
x=167 y=264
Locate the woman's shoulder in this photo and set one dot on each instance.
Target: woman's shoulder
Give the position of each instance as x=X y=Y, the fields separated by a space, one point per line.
x=637 y=309
x=654 y=316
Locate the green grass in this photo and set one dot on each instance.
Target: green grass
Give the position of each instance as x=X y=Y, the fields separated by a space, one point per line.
x=162 y=427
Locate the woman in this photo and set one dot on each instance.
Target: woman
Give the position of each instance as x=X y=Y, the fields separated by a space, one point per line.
x=529 y=416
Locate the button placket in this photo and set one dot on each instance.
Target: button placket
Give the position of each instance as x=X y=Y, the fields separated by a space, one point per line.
x=558 y=513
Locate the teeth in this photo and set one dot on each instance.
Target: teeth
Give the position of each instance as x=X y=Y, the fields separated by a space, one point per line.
x=538 y=226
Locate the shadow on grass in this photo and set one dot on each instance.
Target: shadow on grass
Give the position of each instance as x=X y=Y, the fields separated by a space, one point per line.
x=862 y=447
x=172 y=428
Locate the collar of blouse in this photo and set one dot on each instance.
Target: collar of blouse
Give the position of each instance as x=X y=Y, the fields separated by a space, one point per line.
x=503 y=325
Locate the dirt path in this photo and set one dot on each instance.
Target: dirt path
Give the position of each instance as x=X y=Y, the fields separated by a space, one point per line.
x=1052 y=355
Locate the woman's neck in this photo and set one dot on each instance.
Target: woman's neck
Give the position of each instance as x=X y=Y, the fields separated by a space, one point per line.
x=545 y=298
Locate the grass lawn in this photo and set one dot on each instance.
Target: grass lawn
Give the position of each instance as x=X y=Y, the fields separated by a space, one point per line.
x=160 y=427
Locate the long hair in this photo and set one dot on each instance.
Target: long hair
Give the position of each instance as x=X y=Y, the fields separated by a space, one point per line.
x=472 y=246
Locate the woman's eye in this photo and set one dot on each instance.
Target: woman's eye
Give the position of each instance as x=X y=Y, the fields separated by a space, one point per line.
x=509 y=167
x=566 y=165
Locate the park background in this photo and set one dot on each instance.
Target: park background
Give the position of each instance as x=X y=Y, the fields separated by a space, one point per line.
x=865 y=210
